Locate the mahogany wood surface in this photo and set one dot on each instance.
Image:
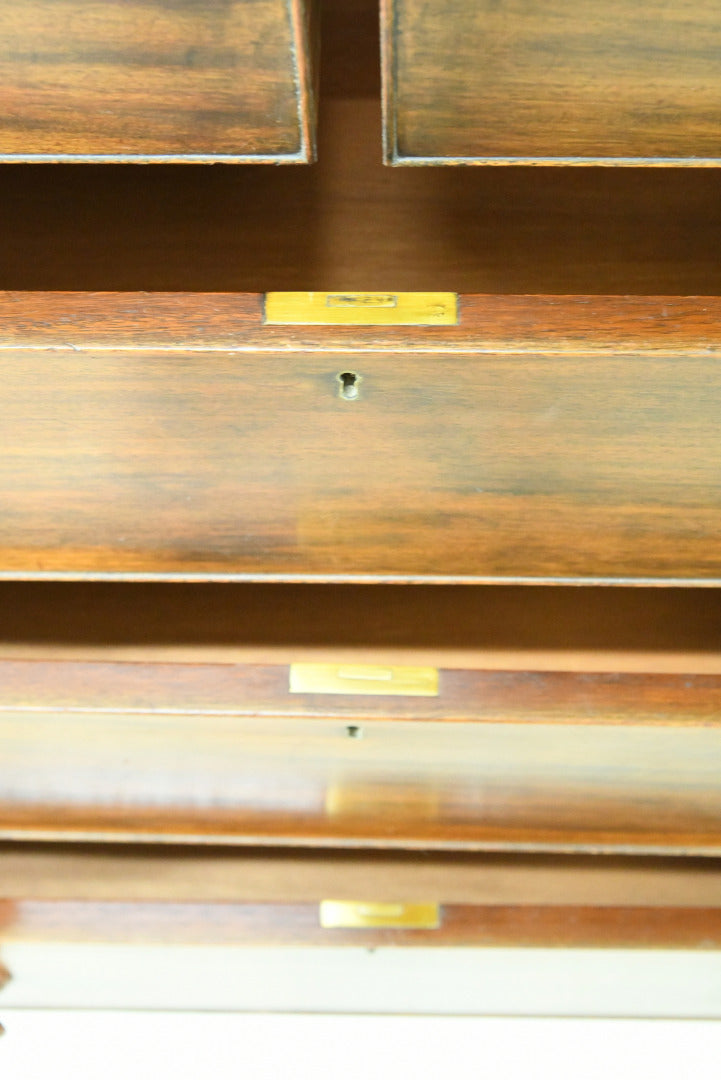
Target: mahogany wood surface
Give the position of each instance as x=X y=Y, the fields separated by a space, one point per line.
x=56 y=893
x=298 y=780
x=78 y=322
x=218 y=80
x=151 y=874
x=252 y=690
x=297 y=925
x=352 y=223
x=492 y=628
x=566 y=439
x=564 y=82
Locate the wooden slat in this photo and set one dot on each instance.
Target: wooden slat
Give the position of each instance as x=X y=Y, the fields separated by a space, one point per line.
x=61 y=894
x=303 y=781
x=148 y=874
x=252 y=690
x=524 y=326
x=83 y=80
x=295 y=924
x=562 y=83
x=542 y=440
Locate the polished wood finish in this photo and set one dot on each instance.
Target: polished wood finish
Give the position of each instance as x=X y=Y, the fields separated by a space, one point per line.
x=131 y=874
x=297 y=925
x=83 y=80
x=564 y=82
x=250 y=690
x=87 y=742
x=60 y=894
x=301 y=779
x=353 y=223
x=543 y=439
x=578 y=326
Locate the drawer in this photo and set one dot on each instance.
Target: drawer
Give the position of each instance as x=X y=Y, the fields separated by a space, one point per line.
x=547 y=761
x=180 y=714
x=562 y=83
x=196 y=929
x=532 y=439
x=208 y=80
x=206 y=498
x=164 y=782
x=234 y=977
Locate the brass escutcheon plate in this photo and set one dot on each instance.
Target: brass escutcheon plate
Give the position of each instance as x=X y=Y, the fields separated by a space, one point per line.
x=361 y=308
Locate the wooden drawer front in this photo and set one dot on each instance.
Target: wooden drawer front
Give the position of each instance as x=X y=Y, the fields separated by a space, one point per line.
x=227 y=754
x=541 y=439
x=566 y=81
x=187 y=80
x=172 y=895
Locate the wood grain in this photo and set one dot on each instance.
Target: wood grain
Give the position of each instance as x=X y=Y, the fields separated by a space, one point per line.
x=220 y=80
x=542 y=440
x=558 y=83
x=350 y=222
x=219 y=778
x=148 y=874
x=244 y=761
x=131 y=895
x=297 y=925
x=234 y=323
x=251 y=690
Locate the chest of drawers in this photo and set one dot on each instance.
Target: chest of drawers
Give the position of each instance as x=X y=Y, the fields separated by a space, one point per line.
x=524 y=500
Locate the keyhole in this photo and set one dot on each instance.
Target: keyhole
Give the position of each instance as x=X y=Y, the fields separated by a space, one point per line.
x=348 y=385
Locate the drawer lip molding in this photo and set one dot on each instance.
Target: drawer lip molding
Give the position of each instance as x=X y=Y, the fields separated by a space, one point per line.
x=583 y=325
x=54 y=687
x=568 y=925
x=540 y=440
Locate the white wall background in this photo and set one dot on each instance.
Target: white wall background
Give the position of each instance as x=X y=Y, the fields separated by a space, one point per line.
x=185 y=1046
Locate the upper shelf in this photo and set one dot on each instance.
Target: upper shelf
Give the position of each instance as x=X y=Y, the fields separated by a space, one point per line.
x=563 y=82
x=223 y=80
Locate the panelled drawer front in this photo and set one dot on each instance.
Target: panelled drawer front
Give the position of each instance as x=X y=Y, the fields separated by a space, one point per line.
x=559 y=82
x=516 y=761
x=199 y=80
x=540 y=439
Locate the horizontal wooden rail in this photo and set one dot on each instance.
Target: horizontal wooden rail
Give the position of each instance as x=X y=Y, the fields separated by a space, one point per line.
x=137 y=895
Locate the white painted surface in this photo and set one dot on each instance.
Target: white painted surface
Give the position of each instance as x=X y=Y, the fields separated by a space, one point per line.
x=515 y=982
x=212 y=1046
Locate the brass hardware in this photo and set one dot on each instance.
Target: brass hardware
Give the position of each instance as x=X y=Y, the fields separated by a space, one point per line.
x=357 y=914
x=361 y=308
x=363 y=679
